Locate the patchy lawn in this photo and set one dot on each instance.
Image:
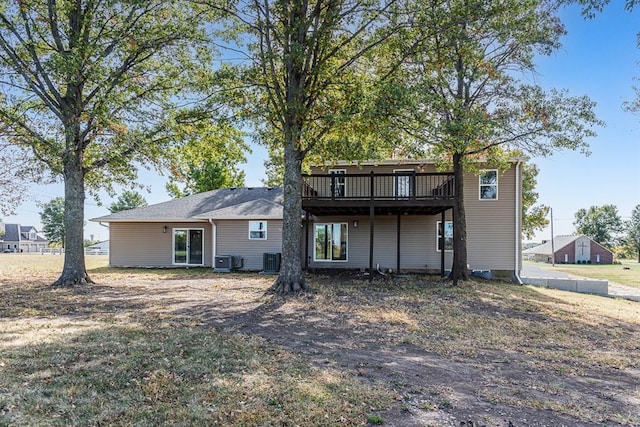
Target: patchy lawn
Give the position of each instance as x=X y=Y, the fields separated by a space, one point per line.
x=178 y=347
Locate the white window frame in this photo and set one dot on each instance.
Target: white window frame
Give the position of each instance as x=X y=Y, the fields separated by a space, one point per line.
x=257 y=230
x=438 y=236
x=32 y=235
x=480 y=184
x=346 y=241
x=340 y=182
x=173 y=246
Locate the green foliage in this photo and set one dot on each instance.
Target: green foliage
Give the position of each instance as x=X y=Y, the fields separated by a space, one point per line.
x=467 y=98
x=632 y=228
x=208 y=160
x=127 y=200
x=88 y=242
x=92 y=87
x=316 y=92
x=534 y=217
x=375 y=419
x=601 y=223
x=52 y=219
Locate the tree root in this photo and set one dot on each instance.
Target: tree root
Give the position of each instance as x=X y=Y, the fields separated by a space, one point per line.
x=71 y=279
x=285 y=287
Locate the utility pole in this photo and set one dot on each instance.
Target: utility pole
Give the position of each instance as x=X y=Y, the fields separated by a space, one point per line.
x=553 y=249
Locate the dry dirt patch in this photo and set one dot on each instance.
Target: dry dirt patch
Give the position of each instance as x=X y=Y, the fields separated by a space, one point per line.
x=480 y=354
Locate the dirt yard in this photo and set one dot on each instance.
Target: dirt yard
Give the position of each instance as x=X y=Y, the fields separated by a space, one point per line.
x=481 y=354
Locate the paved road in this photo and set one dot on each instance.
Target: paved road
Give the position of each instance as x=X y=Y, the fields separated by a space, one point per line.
x=531 y=270
x=546 y=271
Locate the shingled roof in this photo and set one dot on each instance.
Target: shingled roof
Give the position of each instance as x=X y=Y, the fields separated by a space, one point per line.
x=226 y=203
x=11 y=233
x=559 y=242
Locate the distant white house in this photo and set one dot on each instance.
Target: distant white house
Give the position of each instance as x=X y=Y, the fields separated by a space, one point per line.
x=100 y=248
x=21 y=238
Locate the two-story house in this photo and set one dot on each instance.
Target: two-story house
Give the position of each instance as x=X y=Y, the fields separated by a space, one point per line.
x=391 y=215
x=21 y=238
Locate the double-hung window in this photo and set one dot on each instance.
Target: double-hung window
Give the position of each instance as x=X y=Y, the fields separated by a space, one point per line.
x=489 y=185
x=257 y=230
x=330 y=242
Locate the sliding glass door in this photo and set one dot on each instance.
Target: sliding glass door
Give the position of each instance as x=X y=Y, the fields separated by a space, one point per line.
x=188 y=246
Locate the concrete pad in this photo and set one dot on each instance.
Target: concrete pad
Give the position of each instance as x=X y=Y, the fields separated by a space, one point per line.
x=563 y=284
x=598 y=287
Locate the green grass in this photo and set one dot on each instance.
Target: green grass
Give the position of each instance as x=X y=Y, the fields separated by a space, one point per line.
x=625 y=274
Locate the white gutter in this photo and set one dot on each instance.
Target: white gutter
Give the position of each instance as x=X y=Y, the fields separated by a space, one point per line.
x=214 y=237
x=518 y=216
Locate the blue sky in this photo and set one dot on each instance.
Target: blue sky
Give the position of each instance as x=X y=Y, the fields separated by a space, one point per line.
x=599 y=58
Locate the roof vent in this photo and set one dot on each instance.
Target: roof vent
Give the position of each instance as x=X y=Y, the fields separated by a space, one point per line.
x=249 y=188
x=232 y=188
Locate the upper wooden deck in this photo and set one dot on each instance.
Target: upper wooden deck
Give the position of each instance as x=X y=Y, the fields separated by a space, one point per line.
x=403 y=193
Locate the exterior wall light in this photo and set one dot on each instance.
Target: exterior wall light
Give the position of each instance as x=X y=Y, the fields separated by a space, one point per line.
x=164 y=228
x=355 y=223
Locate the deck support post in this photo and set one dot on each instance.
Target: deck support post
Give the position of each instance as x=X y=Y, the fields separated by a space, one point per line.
x=371 y=234
x=398 y=245
x=442 y=240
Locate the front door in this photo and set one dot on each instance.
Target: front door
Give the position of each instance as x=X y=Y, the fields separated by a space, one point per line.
x=187 y=246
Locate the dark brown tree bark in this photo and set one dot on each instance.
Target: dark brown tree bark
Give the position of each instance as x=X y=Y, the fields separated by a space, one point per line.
x=74 y=271
x=459 y=269
x=291 y=277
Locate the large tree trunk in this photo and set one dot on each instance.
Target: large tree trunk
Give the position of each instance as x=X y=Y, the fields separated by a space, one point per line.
x=74 y=271
x=291 y=277
x=459 y=268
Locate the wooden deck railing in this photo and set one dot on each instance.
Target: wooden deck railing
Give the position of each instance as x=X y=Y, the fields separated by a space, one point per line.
x=379 y=186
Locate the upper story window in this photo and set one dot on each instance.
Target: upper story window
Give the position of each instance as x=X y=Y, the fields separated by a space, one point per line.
x=489 y=185
x=32 y=235
x=257 y=230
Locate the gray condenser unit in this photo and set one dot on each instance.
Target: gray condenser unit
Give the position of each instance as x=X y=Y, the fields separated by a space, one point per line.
x=271 y=262
x=227 y=263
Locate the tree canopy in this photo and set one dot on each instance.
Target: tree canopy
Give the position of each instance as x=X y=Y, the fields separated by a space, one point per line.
x=466 y=65
x=632 y=228
x=313 y=90
x=208 y=160
x=127 y=200
x=534 y=217
x=90 y=87
x=52 y=219
x=601 y=223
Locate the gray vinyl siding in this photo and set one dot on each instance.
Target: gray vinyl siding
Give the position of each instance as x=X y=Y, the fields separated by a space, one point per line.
x=143 y=244
x=490 y=231
x=417 y=243
x=491 y=224
x=233 y=239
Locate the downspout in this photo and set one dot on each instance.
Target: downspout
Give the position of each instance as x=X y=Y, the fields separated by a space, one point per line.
x=518 y=215
x=214 y=237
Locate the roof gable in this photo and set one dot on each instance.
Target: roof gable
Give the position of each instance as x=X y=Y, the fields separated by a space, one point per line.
x=11 y=233
x=559 y=242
